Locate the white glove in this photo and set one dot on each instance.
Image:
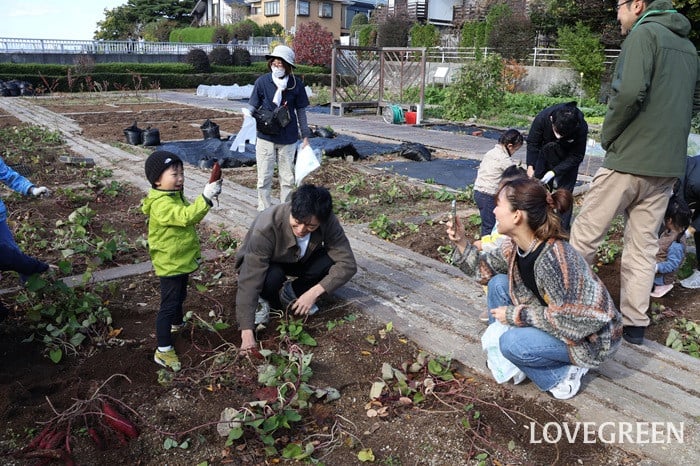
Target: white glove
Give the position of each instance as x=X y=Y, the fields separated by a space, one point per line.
x=547 y=177
x=40 y=191
x=246 y=111
x=212 y=190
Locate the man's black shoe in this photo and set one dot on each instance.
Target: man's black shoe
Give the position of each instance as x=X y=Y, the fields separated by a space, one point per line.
x=634 y=335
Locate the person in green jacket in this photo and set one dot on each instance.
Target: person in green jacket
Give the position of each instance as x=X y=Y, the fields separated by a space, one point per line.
x=172 y=243
x=655 y=90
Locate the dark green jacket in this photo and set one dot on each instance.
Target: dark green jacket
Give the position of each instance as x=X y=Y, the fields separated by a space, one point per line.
x=655 y=89
x=172 y=235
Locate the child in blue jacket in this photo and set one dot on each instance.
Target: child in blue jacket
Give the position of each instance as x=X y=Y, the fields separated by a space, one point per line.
x=671 y=245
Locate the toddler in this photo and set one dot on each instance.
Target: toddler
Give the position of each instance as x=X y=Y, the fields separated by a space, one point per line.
x=172 y=243
x=671 y=246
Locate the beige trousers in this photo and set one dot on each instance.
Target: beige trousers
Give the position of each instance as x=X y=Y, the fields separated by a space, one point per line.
x=642 y=200
x=267 y=155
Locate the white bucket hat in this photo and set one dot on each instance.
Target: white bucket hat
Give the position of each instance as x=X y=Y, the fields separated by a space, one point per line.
x=284 y=53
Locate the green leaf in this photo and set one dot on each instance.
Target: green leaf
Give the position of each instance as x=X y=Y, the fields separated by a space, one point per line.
x=293 y=451
x=201 y=288
x=366 y=455
x=511 y=445
x=77 y=339
x=307 y=340
x=55 y=355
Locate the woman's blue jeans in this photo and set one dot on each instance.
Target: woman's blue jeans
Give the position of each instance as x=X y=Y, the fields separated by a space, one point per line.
x=542 y=357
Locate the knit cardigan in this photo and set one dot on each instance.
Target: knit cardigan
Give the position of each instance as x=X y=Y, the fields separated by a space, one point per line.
x=579 y=309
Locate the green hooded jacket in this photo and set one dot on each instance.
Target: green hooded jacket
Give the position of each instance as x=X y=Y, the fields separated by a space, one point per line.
x=655 y=90
x=172 y=237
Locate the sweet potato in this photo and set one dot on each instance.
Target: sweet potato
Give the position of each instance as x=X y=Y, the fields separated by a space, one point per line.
x=215 y=172
x=96 y=438
x=119 y=423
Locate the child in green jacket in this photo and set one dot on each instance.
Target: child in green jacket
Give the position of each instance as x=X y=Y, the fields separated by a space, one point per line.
x=173 y=243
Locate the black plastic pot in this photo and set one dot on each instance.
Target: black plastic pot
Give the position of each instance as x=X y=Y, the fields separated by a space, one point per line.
x=150 y=137
x=210 y=130
x=133 y=135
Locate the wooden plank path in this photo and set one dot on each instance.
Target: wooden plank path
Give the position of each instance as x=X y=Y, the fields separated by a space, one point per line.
x=437 y=307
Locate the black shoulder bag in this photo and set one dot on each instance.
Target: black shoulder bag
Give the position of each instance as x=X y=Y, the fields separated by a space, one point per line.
x=271 y=122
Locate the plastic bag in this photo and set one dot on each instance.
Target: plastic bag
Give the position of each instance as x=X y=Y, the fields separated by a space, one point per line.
x=247 y=133
x=305 y=164
x=502 y=369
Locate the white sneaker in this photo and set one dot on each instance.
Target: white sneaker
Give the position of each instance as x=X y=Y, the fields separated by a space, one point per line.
x=262 y=313
x=571 y=384
x=693 y=281
x=519 y=377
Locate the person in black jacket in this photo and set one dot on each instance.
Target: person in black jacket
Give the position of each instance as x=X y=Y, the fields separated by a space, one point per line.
x=556 y=145
x=690 y=189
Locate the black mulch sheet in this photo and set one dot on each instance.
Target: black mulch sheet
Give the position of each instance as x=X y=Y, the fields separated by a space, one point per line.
x=455 y=173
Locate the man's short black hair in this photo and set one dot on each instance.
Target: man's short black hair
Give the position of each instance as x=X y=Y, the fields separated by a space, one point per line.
x=311 y=201
x=565 y=121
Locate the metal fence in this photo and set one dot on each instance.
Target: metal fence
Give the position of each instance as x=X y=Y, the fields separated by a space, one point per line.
x=258 y=46
x=539 y=56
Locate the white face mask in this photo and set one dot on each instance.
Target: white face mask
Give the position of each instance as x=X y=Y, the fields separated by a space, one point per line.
x=278 y=72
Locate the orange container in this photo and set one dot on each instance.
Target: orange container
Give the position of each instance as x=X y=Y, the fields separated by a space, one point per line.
x=411 y=118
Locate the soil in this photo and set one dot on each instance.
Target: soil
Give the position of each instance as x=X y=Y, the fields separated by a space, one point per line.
x=461 y=421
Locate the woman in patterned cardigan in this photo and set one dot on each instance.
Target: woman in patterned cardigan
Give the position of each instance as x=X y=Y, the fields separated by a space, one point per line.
x=564 y=320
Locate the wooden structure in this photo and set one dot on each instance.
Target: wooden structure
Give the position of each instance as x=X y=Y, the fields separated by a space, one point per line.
x=376 y=77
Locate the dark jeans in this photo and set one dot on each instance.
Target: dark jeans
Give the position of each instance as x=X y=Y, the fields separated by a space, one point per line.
x=307 y=274
x=486 y=203
x=173 y=291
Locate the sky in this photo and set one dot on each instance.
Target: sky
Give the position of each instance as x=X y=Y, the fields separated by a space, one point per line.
x=53 y=19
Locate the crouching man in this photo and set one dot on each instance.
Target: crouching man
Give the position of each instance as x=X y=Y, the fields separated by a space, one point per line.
x=301 y=239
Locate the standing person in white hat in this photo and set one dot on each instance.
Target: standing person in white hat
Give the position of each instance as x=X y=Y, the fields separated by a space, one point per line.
x=277 y=141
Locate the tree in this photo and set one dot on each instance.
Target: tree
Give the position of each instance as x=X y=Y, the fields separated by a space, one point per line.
x=424 y=35
x=313 y=44
x=582 y=48
x=394 y=31
x=135 y=14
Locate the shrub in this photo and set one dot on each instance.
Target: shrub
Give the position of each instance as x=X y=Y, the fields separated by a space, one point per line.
x=273 y=29
x=367 y=35
x=221 y=33
x=313 y=44
x=582 y=48
x=513 y=75
x=241 y=57
x=191 y=35
x=84 y=64
x=159 y=31
x=478 y=91
x=394 y=31
x=245 y=29
x=358 y=21
x=220 y=56
x=562 y=89
x=424 y=35
x=512 y=36
x=198 y=59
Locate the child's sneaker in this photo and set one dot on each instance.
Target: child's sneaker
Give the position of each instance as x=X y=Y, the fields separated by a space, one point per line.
x=167 y=359
x=660 y=290
x=571 y=384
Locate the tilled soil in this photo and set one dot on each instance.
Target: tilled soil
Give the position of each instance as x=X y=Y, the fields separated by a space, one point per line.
x=458 y=421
